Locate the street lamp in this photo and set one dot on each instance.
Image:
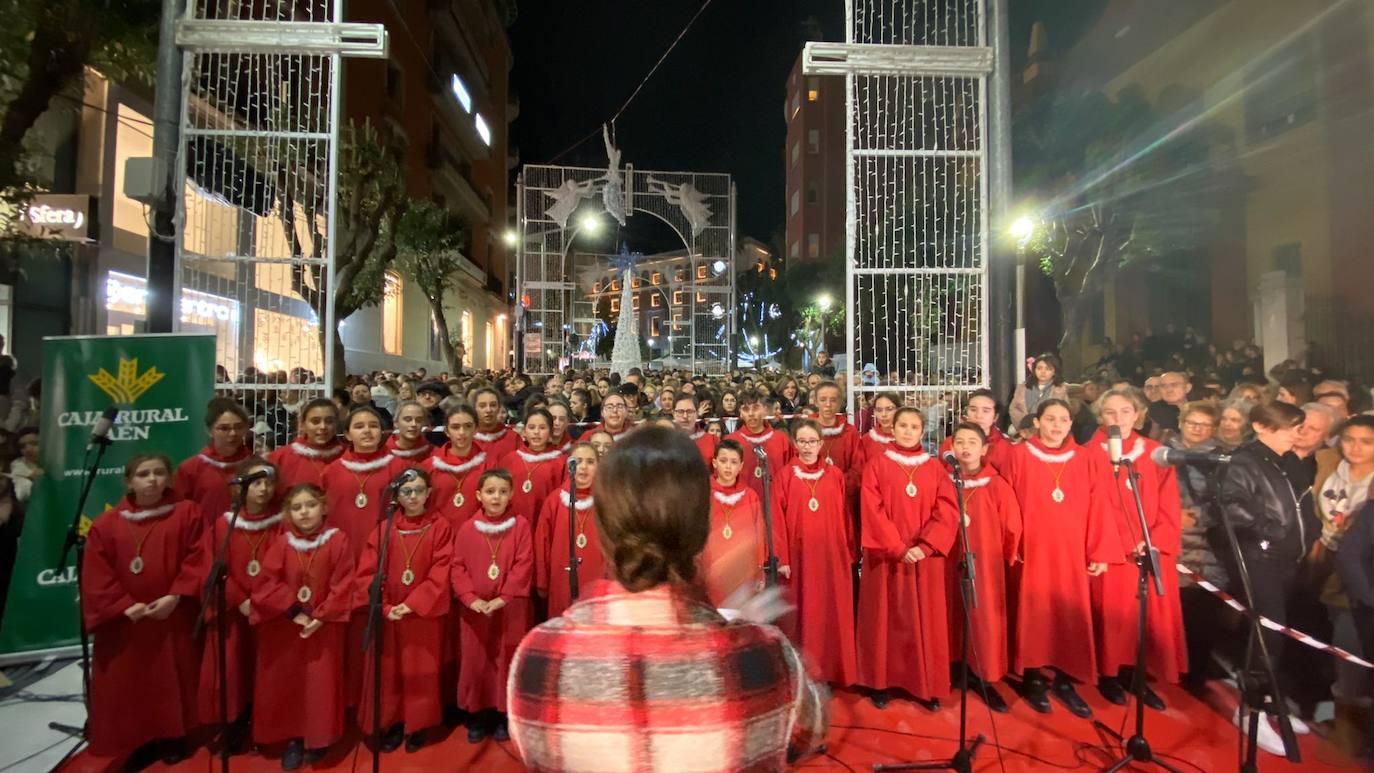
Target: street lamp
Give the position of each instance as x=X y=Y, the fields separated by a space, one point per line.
x=510 y=237
x=824 y=301
x=591 y=224
x=754 y=341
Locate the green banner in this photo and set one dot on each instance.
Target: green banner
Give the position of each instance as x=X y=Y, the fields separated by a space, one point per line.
x=161 y=384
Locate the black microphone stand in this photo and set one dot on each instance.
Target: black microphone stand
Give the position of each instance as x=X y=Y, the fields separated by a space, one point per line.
x=573 y=560
x=962 y=761
x=77 y=540
x=770 y=565
x=215 y=592
x=1137 y=747
x=372 y=632
x=1258 y=692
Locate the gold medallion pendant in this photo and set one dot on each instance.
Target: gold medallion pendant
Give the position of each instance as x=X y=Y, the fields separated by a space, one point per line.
x=758 y=472
x=493 y=571
x=360 y=501
x=581 y=540
x=458 y=499
x=303 y=594
x=136 y=565
x=814 y=504
x=407 y=577
x=254 y=568
x=1058 y=494
x=727 y=532
x=527 y=486
x=911 y=489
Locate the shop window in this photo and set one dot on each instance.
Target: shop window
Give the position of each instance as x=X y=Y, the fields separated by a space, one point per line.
x=392 y=312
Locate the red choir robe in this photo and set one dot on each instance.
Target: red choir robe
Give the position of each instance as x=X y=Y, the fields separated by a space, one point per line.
x=412 y=646
x=820 y=549
x=563 y=444
x=489 y=641
x=775 y=443
x=739 y=508
x=908 y=501
x=354 y=474
x=1114 y=593
x=840 y=445
x=204 y=479
x=542 y=474
x=299 y=462
x=994 y=534
x=551 y=549
x=247 y=550
x=499 y=442
x=452 y=476
x=300 y=682
x=706 y=444
x=143 y=673
x=872 y=442
x=1054 y=621
x=999 y=450
x=600 y=427
x=413 y=457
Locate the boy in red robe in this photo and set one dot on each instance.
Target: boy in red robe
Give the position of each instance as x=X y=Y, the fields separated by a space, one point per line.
x=493 y=436
x=537 y=468
x=910 y=518
x=415 y=601
x=204 y=478
x=615 y=417
x=493 y=569
x=301 y=610
x=816 y=556
x=982 y=411
x=304 y=459
x=994 y=535
x=257 y=527
x=408 y=443
x=139 y=585
x=551 y=537
x=736 y=528
x=754 y=431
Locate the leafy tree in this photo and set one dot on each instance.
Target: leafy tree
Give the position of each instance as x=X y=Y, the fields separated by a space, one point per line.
x=802 y=285
x=428 y=240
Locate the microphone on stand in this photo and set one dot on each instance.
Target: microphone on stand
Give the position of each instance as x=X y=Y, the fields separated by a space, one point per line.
x=950 y=459
x=1165 y=456
x=101 y=429
x=402 y=479
x=759 y=452
x=256 y=475
x=572 y=465
x=1114 y=448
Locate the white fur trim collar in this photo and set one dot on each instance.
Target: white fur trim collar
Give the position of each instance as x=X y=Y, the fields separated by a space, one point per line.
x=491 y=437
x=303 y=544
x=310 y=452
x=976 y=482
x=210 y=460
x=698 y=435
x=729 y=499
x=1137 y=449
x=487 y=527
x=582 y=504
x=372 y=466
x=563 y=449
x=757 y=439
x=1048 y=457
x=243 y=524
x=408 y=453
x=142 y=515
x=834 y=431
x=906 y=460
x=807 y=475
x=879 y=438
x=457 y=469
x=530 y=458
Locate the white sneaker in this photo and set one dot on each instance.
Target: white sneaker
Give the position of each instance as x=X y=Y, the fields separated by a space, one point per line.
x=1269 y=738
x=1299 y=727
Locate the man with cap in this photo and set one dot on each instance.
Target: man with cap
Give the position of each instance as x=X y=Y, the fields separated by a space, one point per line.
x=429 y=394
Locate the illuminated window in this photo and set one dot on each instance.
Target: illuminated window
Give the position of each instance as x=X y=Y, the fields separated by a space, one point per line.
x=701 y=297
x=654 y=329
x=796 y=152
x=677 y=297
x=680 y=275
x=813 y=245
x=596 y=288
x=491 y=344
x=392 y=307
x=796 y=202
x=467 y=338
x=483 y=130
x=813 y=89
x=460 y=93
x=654 y=300
x=615 y=305
x=656 y=278
x=636 y=302
x=615 y=285
x=636 y=283
x=702 y=272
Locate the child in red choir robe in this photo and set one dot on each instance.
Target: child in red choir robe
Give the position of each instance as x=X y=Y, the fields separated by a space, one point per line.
x=355 y=484
x=1064 y=543
x=537 y=469
x=754 y=431
x=879 y=436
x=493 y=436
x=840 y=443
x=257 y=527
x=204 y=478
x=301 y=610
x=140 y=584
x=994 y=535
x=493 y=570
x=1116 y=604
x=304 y=459
x=454 y=468
x=736 y=526
x=982 y=410
x=551 y=537
x=408 y=443
x=415 y=601
x=816 y=555
x=910 y=520
x=562 y=418
x=686 y=418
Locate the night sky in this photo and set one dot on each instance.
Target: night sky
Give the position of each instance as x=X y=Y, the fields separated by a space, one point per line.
x=715 y=105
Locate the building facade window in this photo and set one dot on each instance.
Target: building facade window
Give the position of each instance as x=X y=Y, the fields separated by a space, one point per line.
x=392 y=313
x=636 y=303
x=395 y=80
x=654 y=328
x=813 y=89
x=813 y=141
x=677 y=297
x=702 y=272
x=796 y=202
x=795 y=250
x=467 y=338
x=490 y=345
x=796 y=152
x=813 y=245
x=812 y=195
x=654 y=300
x=615 y=305
x=656 y=278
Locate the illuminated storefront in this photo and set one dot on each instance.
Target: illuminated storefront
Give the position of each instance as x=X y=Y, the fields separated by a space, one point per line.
x=126 y=299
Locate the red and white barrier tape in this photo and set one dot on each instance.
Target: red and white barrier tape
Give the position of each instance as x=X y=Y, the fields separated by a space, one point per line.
x=1291 y=633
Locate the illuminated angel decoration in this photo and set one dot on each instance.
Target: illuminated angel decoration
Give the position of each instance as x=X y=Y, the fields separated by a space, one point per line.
x=566 y=199
x=687 y=198
x=613 y=193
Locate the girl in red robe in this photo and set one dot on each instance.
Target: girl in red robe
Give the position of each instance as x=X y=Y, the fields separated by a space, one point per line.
x=415 y=601
x=551 y=537
x=910 y=519
x=562 y=418
x=493 y=568
x=493 y=436
x=455 y=468
x=304 y=459
x=537 y=469
x=300 y=610
x=754 y=431
x=204 y=478
x=737 y=530
x=840 y=443
x=1064 y=543
x=994 y=535
x=257 y=526
x=355 y=484
x=139 y=584
x=879 y=436
x=408 y=442
x=982 y=410
x=816 y=556
x=1115 y=592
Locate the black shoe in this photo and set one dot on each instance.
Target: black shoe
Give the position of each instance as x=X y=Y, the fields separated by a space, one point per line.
x=142 y=757
x=393 y=738
x=236 y=737
x=993 y=698
x=174 y=751
x=454 y=716
x=1063 y=690
x=477 y=733
x=880 y=698
x=502 y=731
x=415 y=741
x=313 y=756
x=1035 y=692
x=1110 y=688
x=294 y=756
x=1152 y=699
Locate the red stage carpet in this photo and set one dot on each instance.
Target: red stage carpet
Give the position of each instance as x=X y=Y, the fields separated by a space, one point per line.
x=1195 y=735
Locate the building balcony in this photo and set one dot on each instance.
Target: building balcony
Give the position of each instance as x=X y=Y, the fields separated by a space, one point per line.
x=451 y=175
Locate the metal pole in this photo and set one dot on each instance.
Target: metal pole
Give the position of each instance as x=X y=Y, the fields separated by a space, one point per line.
x=851 y=232
x=1003 y=357
x=163 y=276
